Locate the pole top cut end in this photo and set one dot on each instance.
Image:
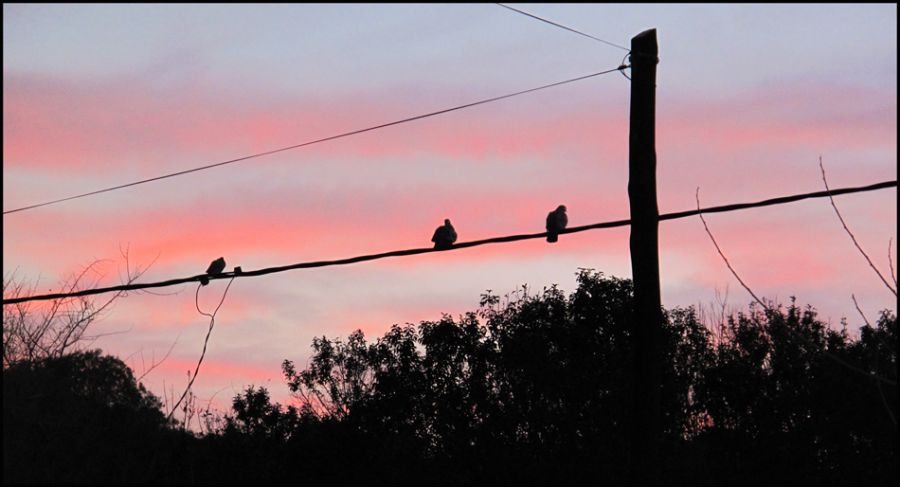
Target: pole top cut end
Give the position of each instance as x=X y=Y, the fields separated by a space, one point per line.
x=644 y=44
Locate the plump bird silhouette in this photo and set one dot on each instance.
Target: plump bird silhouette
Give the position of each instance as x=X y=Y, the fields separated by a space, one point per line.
x=215 y=268
x=444 y=236
x=556 y=222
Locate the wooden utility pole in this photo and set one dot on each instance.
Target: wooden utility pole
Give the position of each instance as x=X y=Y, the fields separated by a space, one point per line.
x=647 y=317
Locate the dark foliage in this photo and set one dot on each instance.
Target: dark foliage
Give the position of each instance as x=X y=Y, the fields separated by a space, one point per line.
x=79 y=418
x=535 y=388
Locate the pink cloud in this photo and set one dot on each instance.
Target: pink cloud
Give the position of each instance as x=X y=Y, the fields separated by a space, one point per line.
x=134 y=125
x=826 y=117
x=218 y=370
x=150 y=132
x=308 y=225
x=581 y=160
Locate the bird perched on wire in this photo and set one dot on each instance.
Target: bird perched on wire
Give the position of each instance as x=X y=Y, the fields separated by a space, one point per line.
x=444 y=236
x=215 y=268
x=556 y=222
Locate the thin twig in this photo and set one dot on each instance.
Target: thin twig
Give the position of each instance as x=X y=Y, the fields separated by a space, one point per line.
x=891 y=263
x=853 y=296
x=153 y=364
x=735 y=274
x=852 y=237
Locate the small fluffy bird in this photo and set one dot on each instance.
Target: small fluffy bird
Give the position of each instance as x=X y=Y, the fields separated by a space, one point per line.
x=556 y=221
x=215 y=267
x=444 y=236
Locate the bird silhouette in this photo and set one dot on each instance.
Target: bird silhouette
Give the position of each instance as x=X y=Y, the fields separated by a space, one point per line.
x=215 y=268
x=556 y=222
x=444 y=236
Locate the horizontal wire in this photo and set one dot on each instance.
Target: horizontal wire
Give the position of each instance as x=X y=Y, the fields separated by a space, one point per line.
x=509 y=238
x=304 y=144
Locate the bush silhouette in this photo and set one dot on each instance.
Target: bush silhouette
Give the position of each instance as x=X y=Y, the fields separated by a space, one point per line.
x=79 y=417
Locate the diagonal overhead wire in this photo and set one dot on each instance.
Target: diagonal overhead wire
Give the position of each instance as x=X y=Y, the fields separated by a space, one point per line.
x=401 y=253
x=311 y=142
x=563 y=27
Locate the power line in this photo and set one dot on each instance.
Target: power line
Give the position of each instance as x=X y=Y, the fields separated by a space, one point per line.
x=474 y=243
x=562 y=26
x=212 y=323
x=304 y=144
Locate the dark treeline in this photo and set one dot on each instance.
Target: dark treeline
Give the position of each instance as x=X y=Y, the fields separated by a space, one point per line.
x=532 y=388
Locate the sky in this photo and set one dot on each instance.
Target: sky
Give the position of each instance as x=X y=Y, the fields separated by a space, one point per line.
x=748 y=98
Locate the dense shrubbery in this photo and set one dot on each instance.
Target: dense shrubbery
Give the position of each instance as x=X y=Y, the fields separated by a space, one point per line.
x=79 y=418
x=536 y=388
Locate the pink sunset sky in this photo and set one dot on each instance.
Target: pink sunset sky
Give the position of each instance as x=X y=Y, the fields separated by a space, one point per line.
x=748 y=98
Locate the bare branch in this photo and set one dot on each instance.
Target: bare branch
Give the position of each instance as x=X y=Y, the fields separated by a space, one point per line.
x=94 y=338
x=60 y=325
x=733 y=272
x=154 y=364
x=852 y=237
x=891 y=263
x=860 y=311
x=719 y=250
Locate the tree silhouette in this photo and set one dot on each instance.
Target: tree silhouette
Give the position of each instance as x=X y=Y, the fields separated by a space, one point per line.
x=80 y=417
x=778 y=409
x=531 y=387
x=536 y=389
x=527 y=390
